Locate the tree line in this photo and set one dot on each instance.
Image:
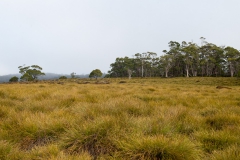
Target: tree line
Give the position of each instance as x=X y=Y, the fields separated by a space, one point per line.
x=33 y=72
x=181 y=59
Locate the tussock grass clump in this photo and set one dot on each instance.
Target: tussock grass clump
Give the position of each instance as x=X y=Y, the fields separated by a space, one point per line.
x=232 y=152
x=151 y=89
x=53 y=152
x=9 y=151
x=67 y=102
x=173 y=120
x=159 y=147
x=35 y=130
x=7 y=102
x=122 y=81
x=222 y=87
x=42 y=96
x=96 y=138
x=148 y=98
x=2 y=94
x=221 y=121
x=217 y=140
x=45 y=152
x=3 y=112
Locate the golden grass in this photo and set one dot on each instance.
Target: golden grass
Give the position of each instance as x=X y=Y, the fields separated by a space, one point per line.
x=152 y=118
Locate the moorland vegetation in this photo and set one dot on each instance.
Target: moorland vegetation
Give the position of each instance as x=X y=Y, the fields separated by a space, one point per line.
x=140 y=118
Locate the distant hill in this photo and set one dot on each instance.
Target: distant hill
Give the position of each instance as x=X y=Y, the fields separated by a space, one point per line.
x=6 y=78
x=47 y=76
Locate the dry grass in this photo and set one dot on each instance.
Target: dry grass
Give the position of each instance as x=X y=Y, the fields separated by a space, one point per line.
x=153 y=118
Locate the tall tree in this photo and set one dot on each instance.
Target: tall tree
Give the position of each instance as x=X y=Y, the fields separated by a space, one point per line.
x=232 y=56
x=166 y=61
x=175 y=51
x=141 y=58
x=190 y=57
x=129 y=66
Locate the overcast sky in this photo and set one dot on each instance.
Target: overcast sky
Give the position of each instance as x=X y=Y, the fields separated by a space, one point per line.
x=64 y=36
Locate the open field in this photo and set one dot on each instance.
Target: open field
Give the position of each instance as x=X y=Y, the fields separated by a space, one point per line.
x=153 y=118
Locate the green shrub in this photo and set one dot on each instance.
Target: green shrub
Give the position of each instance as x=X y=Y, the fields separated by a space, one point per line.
x=63 y=77
x=13 y=79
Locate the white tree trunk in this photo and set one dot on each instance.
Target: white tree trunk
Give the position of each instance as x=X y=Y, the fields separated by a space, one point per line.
x=187 y=70
x=166 y=73
x=129 y=74
x=231 y=69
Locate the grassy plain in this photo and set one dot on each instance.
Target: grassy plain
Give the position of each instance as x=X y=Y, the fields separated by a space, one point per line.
x=152 y=118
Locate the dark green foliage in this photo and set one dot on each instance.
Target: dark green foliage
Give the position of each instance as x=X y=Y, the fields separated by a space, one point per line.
x=13 y=79
x=63 y=77
x=95 y=73
x=185 y=59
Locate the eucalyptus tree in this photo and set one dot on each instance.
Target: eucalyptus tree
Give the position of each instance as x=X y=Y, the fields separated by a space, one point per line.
x=203 y=59
x=232 y=55
x=155 y=66
x=140 y=59
x=95 y=73
x=30 y=73
x=151 y=61
x=123 y=67
x=190 y=57
x=177 y=59
x=129 y=66
x=117 y=68
x=216 y=59
x=166 y=62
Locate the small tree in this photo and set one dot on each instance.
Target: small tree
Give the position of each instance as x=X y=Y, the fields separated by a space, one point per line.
x=72 y=75
x=13 y=79
x=95 y=73
x=30 y=73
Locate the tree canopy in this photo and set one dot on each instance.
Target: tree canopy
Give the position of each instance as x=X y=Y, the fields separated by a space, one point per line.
x=181 y=59
x=13 y=79
x=30 y=73
x=95 y=73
